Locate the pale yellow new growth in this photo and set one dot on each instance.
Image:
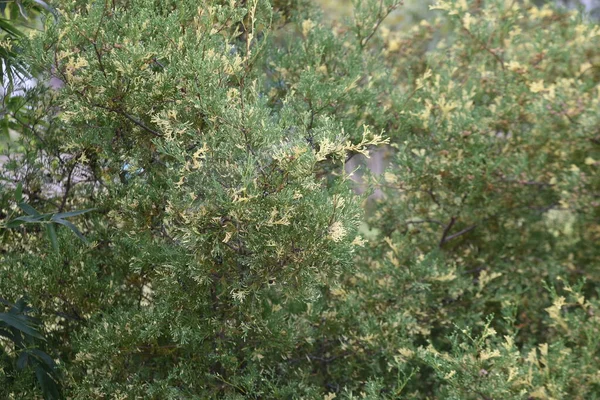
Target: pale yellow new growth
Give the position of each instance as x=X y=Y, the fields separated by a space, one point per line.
x=555 y=310
x=537 y=86
x=307 y=26
x=337 y=231
x=339 y=150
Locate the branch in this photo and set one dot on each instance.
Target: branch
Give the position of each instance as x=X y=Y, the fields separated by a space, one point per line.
x=486 y=48
x=381 y=18
x=457 y=234
x=423 y=221
x=446 y=231
x=139 y=123
x=129 y=117
x=67 y=188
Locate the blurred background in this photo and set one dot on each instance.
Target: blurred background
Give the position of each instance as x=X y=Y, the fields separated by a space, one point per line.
x=415 y=10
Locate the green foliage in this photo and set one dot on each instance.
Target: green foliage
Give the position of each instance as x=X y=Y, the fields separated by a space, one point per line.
x=227 y=255
x=17 y=19
x=22 y=331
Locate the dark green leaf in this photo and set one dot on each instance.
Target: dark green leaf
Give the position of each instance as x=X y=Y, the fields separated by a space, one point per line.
x=21 y=307
x=19 y=193
x=6 y=333
x=13 y=11
x=15 y=223
x=47 y=383
x=9 y=28
x=20 y=323
x=6 y=302
x=28 y=209
x=52 y=236
x=22 y=360
x=70 y=214
x=71 y=227
x=43 y=357
x=31 y=218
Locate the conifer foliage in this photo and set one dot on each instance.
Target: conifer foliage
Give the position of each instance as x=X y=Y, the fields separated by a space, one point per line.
x=181 y=221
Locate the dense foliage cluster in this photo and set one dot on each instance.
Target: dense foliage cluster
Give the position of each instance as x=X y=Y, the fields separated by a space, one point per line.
x=180 y=218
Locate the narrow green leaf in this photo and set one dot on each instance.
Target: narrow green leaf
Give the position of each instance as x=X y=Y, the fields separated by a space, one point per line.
x=47 y=383
x=51 y=230
x=22 y=360
x=72 y=228
x=43 y=357
x=31 y=218
x=9 y=28
x=12 y=11
x=18 y=323
x=19 y=193
x=15 y=223
x=4 y=332
x=70 y=214
x=28 y=209
x=20 y=306
x=6 y=302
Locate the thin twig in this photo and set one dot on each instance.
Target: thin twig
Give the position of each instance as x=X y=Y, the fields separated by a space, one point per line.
x=129 y=117
x=433 y=198
x=487 y=49
x=457 y=234
x=446 y=231
x=139 y=123
x=364 y=42
x=67 y=188
x=99 y=58
x=424 y=221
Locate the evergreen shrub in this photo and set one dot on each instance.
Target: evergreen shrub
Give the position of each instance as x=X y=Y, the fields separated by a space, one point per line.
x=180 y=219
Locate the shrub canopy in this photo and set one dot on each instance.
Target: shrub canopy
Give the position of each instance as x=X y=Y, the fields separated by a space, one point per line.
x=180 y=219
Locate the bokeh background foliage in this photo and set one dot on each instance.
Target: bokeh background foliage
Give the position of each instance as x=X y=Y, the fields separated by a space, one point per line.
x=181 y=221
